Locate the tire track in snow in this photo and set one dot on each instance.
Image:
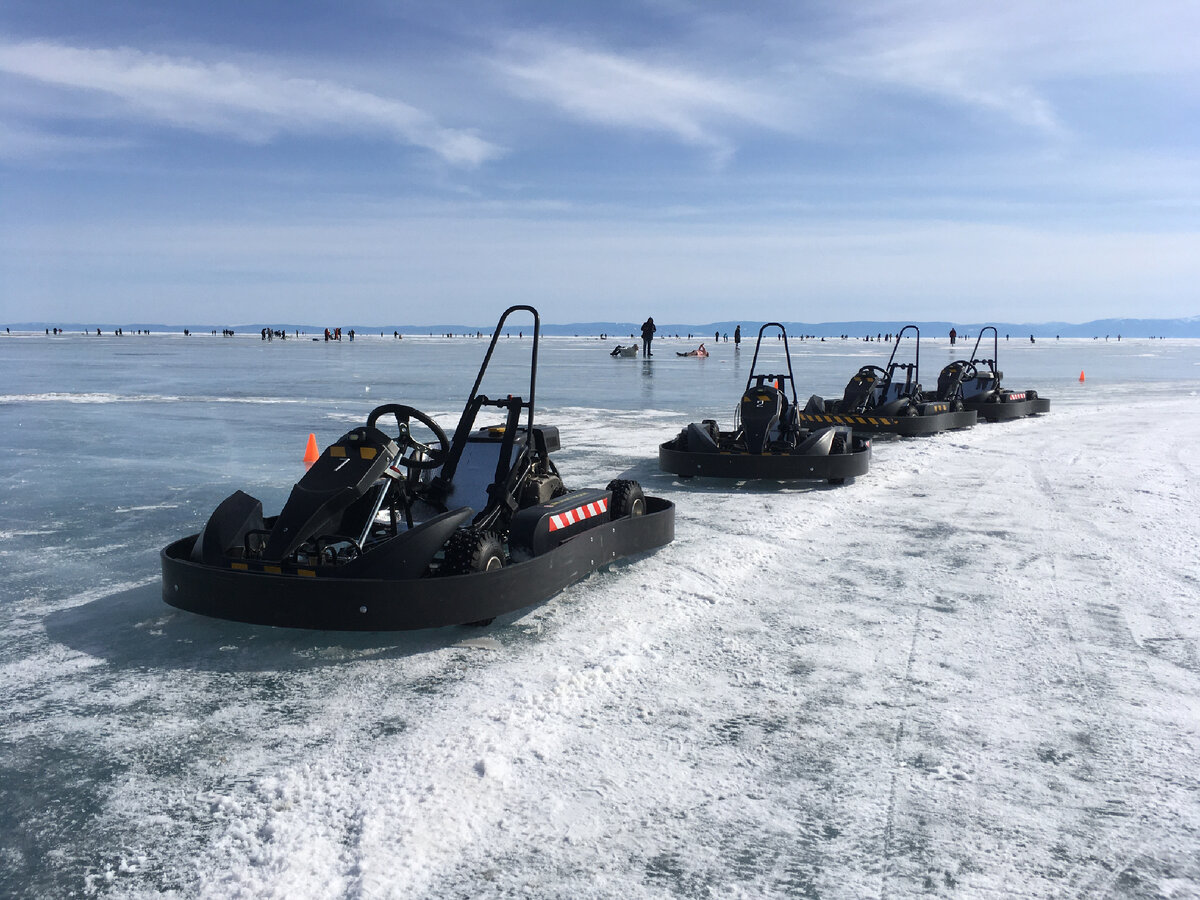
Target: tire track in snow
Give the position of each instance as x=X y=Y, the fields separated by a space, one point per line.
x=1112 y=664
x=898 y=762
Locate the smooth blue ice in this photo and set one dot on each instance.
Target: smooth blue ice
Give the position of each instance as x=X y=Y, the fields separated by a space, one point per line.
x=972 y=673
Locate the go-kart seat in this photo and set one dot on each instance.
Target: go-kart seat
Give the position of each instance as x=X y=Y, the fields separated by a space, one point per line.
x=858 y=392
x=760 y=412
x=340 y=476
x=950 y=380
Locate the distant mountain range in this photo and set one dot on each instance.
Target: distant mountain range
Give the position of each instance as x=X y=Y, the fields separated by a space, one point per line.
x=1187 y=327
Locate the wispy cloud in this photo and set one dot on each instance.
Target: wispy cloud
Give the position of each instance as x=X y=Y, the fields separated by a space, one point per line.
x=623 y=91
x=253 y=105
x=951 y=65
x=1010 y=61
x=968 y=61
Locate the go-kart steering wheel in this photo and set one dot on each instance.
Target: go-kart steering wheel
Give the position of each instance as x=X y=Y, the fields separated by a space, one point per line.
x=968 y=368
x=870 y=370
x=436 y=454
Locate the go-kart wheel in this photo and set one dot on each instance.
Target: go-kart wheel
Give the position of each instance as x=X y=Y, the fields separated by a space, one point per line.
x=473 y=550
x=911 y=409
x=627 y=498
x=435 y=453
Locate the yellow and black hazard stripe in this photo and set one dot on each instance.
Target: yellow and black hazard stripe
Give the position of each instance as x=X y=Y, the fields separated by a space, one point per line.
x=847 y=420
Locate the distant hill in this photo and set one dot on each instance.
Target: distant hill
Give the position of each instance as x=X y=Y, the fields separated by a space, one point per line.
x=1185 y=328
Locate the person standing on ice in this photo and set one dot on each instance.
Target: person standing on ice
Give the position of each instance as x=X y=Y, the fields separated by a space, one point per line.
x=737 y=336
x=953 y=336
x=648 y=330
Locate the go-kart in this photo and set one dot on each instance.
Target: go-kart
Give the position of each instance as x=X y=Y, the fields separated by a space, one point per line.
x=767 y=440
x=889 y=400
x=391 y=530
x=975 y=383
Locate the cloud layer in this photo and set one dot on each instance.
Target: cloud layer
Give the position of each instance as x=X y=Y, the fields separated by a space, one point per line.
x=223 y=98
x=887 y=155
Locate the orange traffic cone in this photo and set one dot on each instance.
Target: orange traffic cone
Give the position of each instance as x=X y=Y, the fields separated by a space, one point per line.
x=311 y=453
x=1081 y=376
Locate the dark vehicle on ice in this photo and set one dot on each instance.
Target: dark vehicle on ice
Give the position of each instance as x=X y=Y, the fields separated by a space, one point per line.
x=889 y=400
x=767 y=440
x=975 y=383
x=389 y=531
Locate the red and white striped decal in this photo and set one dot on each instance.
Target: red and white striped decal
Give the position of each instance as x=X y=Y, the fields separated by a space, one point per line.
x=578 y=514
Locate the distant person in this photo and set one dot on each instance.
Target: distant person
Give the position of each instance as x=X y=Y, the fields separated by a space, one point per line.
x=737 y=336
x=1031 y=340
x=953 y=336
x=716 y=336
x=648 y=329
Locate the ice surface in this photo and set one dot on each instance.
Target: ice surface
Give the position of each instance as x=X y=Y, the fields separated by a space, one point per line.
x=972 y=673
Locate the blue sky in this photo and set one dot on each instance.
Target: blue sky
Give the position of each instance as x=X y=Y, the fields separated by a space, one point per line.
x=417 y=162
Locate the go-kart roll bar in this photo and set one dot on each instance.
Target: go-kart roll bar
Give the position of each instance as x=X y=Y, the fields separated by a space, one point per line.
x=513 y=404
x=995 y=347
x=537 y=330
x=787 y=353
x=916 y=370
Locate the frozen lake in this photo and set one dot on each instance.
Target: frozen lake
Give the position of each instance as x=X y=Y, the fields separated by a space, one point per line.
x=973 y=673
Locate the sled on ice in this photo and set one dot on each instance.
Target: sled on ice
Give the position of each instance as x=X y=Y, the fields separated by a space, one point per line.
x=768 y=440
x=391 y=531
x=889 y=400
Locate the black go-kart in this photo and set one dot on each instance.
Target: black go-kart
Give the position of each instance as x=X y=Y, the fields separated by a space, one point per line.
x=975 y=383
x=889 y=400
x=767 y=440
x=390 y=531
